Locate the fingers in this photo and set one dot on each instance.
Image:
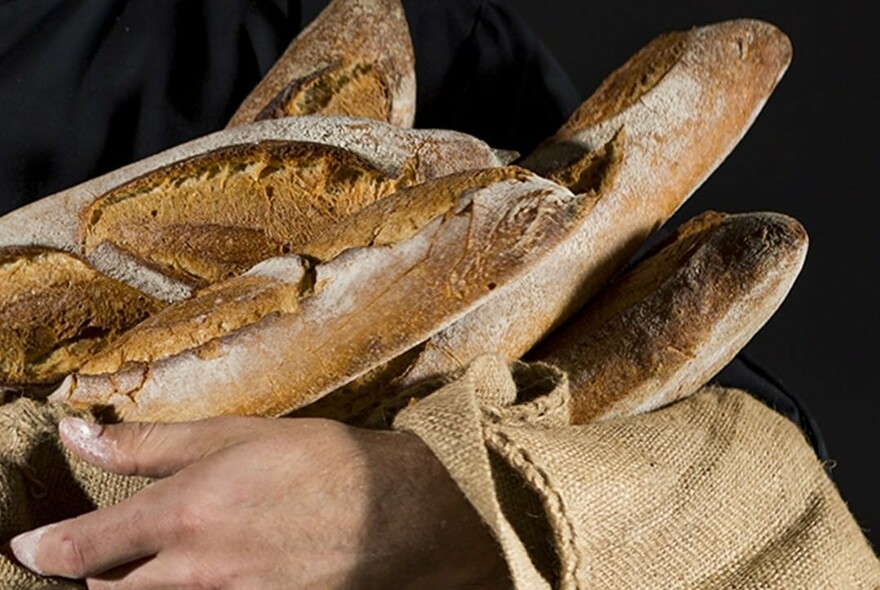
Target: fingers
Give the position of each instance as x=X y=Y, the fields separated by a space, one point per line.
x=147 y=448
x=147 y=574
x=95 y=542
x=137 y=574
x=162 y=571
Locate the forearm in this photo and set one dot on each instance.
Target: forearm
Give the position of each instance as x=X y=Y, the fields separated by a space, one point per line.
x=433 y=536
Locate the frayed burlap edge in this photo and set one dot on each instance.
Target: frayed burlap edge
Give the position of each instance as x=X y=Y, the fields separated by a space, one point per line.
x=42 y=483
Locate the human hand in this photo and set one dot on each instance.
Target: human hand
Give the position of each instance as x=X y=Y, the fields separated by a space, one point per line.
x=261 y=503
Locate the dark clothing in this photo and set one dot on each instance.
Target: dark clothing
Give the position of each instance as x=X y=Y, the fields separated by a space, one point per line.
x=86 y=87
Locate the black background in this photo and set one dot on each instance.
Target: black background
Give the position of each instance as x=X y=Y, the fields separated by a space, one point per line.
x=811 y=154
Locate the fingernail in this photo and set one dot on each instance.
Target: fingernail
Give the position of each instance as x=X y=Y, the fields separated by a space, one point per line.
x=85 y=437
x=79 y=428
x=24 y=547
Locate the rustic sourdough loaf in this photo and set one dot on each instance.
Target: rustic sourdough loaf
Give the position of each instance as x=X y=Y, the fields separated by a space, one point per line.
x=664 y=328
x=292 y=329
x=354 y=59
x=157 y=223
x=55 y=312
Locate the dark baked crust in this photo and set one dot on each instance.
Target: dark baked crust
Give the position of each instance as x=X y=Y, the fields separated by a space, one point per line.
x=217 y=214
x=56 y=311
x=402 y=155
x=665 y=327
x=354 y=89
x=355 y=59
x=666 y=137
x=361 y=309
x=220 y=310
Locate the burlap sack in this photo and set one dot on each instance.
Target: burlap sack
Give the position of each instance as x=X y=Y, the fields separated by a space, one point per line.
x=716 y=491
x=41 y=483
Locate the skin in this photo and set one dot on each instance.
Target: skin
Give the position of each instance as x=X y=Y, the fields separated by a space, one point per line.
x=326 y=506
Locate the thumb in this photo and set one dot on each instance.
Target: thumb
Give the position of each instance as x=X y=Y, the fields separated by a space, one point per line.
x=151 y=449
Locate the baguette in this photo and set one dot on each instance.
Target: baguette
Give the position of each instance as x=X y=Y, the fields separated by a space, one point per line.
x=292 y=329
x=664 y=328
x=56 y=312
x=128 y=223
x=355 y=59
x=648 y=137
x=644 y=148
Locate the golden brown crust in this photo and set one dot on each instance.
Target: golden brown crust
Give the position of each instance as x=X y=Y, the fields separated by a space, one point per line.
x=667 y=140
x=669 y=324
x=623 y=88
x=390 y=220
x=364 y=308
x=355 y=89
x=197 y=323
x=592 y=172
x=56 y=311
x=355 y=59
x=666 y=258
x=402 y=214
x=705 y=85
x=57 y=221
x=231 y=305
x=215 y=215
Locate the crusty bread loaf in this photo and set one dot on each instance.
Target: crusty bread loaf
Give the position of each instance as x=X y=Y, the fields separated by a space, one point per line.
x=658 y=136
x=650 y=135
x=55 y=312
x=355 y=59
x=112 y=220
x=664 y=328
x=228 y=306
x=287 y=332
x=415 y=284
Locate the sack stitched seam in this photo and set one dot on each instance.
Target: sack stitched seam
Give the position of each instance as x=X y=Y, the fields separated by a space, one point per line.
x=566 y=533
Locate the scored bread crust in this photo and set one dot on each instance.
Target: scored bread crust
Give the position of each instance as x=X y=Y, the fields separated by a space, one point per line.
x=669 y=324
x=358 y=310
x=659 y=142
x=215 y=215
x=357 y=56
x=56 y=221
x=56 y=312
x=276 y=286
x=231 y=305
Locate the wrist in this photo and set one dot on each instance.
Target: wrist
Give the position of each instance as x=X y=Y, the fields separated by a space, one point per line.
x=465 y=551
x=433 y=535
